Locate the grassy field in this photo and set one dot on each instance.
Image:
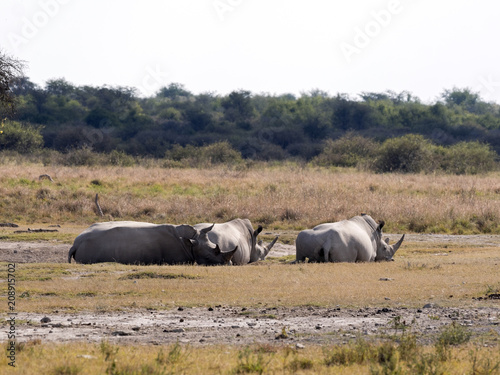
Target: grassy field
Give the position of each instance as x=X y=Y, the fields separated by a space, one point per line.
x=418 y=276
x=278 y=197
x=446 y=276
x=285 y=197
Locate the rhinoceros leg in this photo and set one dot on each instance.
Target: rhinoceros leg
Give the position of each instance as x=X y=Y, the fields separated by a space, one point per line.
x=327 y=246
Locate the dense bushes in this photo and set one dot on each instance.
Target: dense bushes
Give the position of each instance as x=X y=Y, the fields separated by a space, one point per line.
x=408 y=154
x=215 y=153
x=23 y=138
x=349 y=151
x=379 y=131
x=469 y=158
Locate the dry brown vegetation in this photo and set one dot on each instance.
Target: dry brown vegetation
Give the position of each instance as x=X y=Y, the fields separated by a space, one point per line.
x=416 y=277
x=106 y=358
x=280 y=197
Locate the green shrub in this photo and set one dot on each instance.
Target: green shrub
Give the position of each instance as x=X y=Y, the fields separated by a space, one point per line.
x=469 y=158
x=120 y=158
x=454 y=334
x=79 y=157
x=23 y=138
x=354 y=353
x=212 y=154
x=348 y=151
x=408 y=154
x=221 y=153
x=251 y=361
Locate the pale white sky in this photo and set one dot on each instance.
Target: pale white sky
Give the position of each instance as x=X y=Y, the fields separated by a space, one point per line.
x=272 y=46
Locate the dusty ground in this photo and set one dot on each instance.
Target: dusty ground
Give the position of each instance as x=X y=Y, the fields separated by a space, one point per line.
x=230 y=325
x=227 y=325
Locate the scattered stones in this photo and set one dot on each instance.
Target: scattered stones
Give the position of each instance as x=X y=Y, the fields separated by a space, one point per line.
x=229 y=326
x=175 y=330
x=45 y=320
x=120 y=333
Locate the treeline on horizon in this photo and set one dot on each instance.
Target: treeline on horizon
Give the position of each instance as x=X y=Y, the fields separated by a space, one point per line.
x=458 y=133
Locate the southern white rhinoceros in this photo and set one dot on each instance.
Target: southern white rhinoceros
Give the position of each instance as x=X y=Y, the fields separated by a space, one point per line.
x=239 y=233
x=133 y=242
x=358 y=239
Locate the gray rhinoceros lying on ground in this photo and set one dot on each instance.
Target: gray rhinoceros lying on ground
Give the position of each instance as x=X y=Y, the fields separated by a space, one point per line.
x=239 y=233
x=358 y=239
x=131 y=242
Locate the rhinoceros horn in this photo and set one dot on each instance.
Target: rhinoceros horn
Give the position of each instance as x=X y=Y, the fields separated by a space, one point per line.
x=396 y=246
x=270 y=246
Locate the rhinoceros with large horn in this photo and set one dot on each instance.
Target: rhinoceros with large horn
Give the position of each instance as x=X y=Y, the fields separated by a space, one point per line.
x=358 y=239
x=239 y=233
x=133 y=242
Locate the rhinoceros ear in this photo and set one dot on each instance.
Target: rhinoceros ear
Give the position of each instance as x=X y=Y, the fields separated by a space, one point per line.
x=208 y=229
x=186 y=231
x=381 y=225
x=257 y=231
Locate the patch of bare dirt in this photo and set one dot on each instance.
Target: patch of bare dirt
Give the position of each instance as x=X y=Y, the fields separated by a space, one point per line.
x=33 y=252
x=237 y=326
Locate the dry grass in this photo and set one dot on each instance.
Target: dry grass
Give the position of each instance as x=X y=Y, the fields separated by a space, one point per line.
x=106 y=358
x=283 y=197
x=417 y=277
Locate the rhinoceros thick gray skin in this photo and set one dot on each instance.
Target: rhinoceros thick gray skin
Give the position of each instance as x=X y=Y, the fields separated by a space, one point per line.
x=240 y=233
x=358 y=239
x=131 y=242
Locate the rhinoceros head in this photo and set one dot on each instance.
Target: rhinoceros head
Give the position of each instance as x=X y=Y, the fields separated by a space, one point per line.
x=385 y=252
x=260 y=251
x=208 y=253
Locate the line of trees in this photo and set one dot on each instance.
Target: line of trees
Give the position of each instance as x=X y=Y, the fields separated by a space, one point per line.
x=314 y=127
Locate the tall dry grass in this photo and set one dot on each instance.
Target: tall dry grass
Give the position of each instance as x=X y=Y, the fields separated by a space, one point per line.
x=283 y=197
x=356 y=358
